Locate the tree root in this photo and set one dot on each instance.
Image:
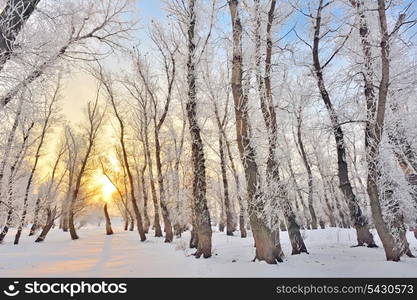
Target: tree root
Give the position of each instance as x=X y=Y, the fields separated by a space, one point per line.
x=198 y=254
x=409 y=253
x=363 y=245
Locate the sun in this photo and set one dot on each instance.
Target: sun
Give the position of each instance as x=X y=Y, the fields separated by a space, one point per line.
x=107 y=188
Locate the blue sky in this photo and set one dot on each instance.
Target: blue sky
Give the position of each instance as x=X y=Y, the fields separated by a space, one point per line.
x=149 y=9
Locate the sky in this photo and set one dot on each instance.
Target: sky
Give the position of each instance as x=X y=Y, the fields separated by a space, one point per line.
x=80 y=87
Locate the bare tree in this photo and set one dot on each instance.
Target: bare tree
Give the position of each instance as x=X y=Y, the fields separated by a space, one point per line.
x=216 y=94
x=270 y=119
x=268 y=247
x=104 y=23
x=12 y=20
x=360 y=222
x=107 y=83
x=109 y=230
x=167 y=53
x=14 y=168
x=201 y=212
x=95 y=119
x=380 y=190
x=51 y=196
x=9 y=142
x=49 y=111
x=308 y=168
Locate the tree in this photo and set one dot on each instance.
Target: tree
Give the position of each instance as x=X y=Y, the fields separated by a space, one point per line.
x=49 y=110
x=167 y=53
x=268 y=247
x=51 y=196
x=308 y=169
x=95 y=119
x=109 y=230
x=274 y=184
x=201 y=212
x=379 y=187
x=79 y=27
x=360 y=222
x=12 y=20
x=217 y=90
x=14 y=169
x=107 y=83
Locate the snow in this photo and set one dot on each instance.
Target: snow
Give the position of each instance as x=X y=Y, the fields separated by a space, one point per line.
x=123 y=255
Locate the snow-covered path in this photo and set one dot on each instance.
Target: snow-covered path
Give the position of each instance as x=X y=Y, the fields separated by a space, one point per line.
x=123 y=255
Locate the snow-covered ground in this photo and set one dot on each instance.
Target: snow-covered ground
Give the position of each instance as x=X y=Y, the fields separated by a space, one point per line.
x=123 y=255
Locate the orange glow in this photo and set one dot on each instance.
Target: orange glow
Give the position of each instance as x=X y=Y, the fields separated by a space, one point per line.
x=107 y=188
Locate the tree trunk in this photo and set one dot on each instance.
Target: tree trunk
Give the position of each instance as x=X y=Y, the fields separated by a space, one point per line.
x=300 y=196
x=35 y=225
x=267 y=247
x=45 y=231
x=309 y=174
x=135 y=206
x=243 y=233
x=71 y=226
x=169 y=235
x=156 y=222
x=65 y=222
x=45 y=125
x=194 y=239
x=227 y=204
x=49 y=223
x=126 y=225
x=393 y=236
x=145 y=201
x=9 y=144
x=221 y=226
x=202 y=215
x=330 y=209
x=360 y=222
x=109 y=230
x=6 y=227
x=13 y=169
x=242 y=228
x=270 y=119
x=132 y=224
x=13 y=18
x=330 y=206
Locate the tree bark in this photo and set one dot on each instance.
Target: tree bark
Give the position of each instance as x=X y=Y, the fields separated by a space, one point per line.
x=202 y=214
x=35 y=225
x=169 y=235
x=270 y=119
x=126 y=162
x=267 y=248
x=309 y=173
x=49 y=223
x=145 y=201
x=156 y=222
x=360 y=222
x=132 y=224
x=243 y=233
x=227 y=204
x=35 y=163
x=13 y=170
x=9 y=143
x=13 y=18
x=109 y=230
x=394 y=247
